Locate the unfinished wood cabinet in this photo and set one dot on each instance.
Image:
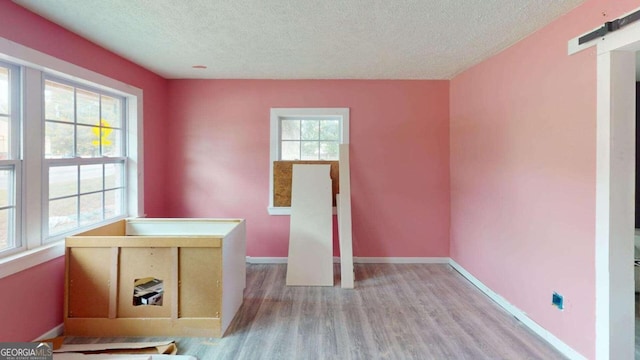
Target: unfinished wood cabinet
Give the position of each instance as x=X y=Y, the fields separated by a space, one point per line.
x=155 y=277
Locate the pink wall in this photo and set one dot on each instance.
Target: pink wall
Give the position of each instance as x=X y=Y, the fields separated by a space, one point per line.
x=399 y=158
x=32 y=301
x=21 y=26
x=23 y=317
x=523 y=145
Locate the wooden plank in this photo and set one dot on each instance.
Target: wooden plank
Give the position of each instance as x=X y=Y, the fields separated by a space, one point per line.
x=344 y=221
x=282 y=175
x=175 y=276
x=67 y=290
x=310 y=261
x=143 y=241
x=113 y=283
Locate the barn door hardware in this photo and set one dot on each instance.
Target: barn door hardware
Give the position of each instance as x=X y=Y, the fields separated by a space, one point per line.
x=610 y=26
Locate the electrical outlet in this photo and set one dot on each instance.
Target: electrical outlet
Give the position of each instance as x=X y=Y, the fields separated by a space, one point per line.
x=557 y=300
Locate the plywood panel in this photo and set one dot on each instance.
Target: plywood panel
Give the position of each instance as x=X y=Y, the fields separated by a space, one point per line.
x=118 y=228
x=282 y=174
x=185 y=327
x=200 y=276
x=310 y=261
x=138 y=263
x=88 y=282
x=210 y=275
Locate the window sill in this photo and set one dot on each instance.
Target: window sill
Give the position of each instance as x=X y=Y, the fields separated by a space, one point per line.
x=27 y=259
x=282 y=210
x=30 y=258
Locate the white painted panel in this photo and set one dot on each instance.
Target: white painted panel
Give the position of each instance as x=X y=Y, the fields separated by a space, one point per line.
x=615 y=206
x=344 y=220
x=310 y=260
x=234 y=273
x=180 y=227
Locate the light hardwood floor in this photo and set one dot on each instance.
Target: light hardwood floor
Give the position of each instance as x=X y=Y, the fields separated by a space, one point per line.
x=408 y=311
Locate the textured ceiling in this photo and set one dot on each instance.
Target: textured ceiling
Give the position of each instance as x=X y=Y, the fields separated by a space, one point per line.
x=303 y=39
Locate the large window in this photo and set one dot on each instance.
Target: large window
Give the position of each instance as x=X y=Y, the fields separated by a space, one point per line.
x=9 y=157
x=71 y=154
x=305 y=134
x=84 y=155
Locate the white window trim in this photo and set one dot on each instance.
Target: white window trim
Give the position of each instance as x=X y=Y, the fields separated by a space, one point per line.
x=47 y=163
x=274 y=153
x=35 y=63
x=14 y=150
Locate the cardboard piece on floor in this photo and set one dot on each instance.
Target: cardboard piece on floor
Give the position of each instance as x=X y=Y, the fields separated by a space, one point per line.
x=310 y=261
x=343 y=203
x=80 y=356
x=154 y=348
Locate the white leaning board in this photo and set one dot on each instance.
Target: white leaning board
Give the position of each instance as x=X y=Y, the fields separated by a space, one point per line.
x=343 y=202
x=310 y=261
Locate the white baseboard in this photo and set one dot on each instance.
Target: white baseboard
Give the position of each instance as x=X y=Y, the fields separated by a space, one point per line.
x=55 y=332
x=519 y=314
x=266 y=260
x=401 y=260
x=359 y=260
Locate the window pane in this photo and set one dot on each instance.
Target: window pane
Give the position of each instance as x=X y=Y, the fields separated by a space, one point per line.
x=329 y=150
x=58 y=140
x=113 y=205
x=88 y=107
x=5 y=229
x=310 y=150
x=63 y=181
x=4 y=91
x=111 y=142
x=330 y=130
x=6 y=184
x=88 y=141
x=290 y=129
x=90 y=209
x=113 y=175
x=290 y=150
x=4 y=137
x=58 y=101
x=112 y=111
x=63 y=215
x=309 y=129
x=90 y=178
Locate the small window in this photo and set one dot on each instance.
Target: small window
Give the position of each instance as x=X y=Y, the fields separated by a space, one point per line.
x=309 y=139
x=305 y=134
